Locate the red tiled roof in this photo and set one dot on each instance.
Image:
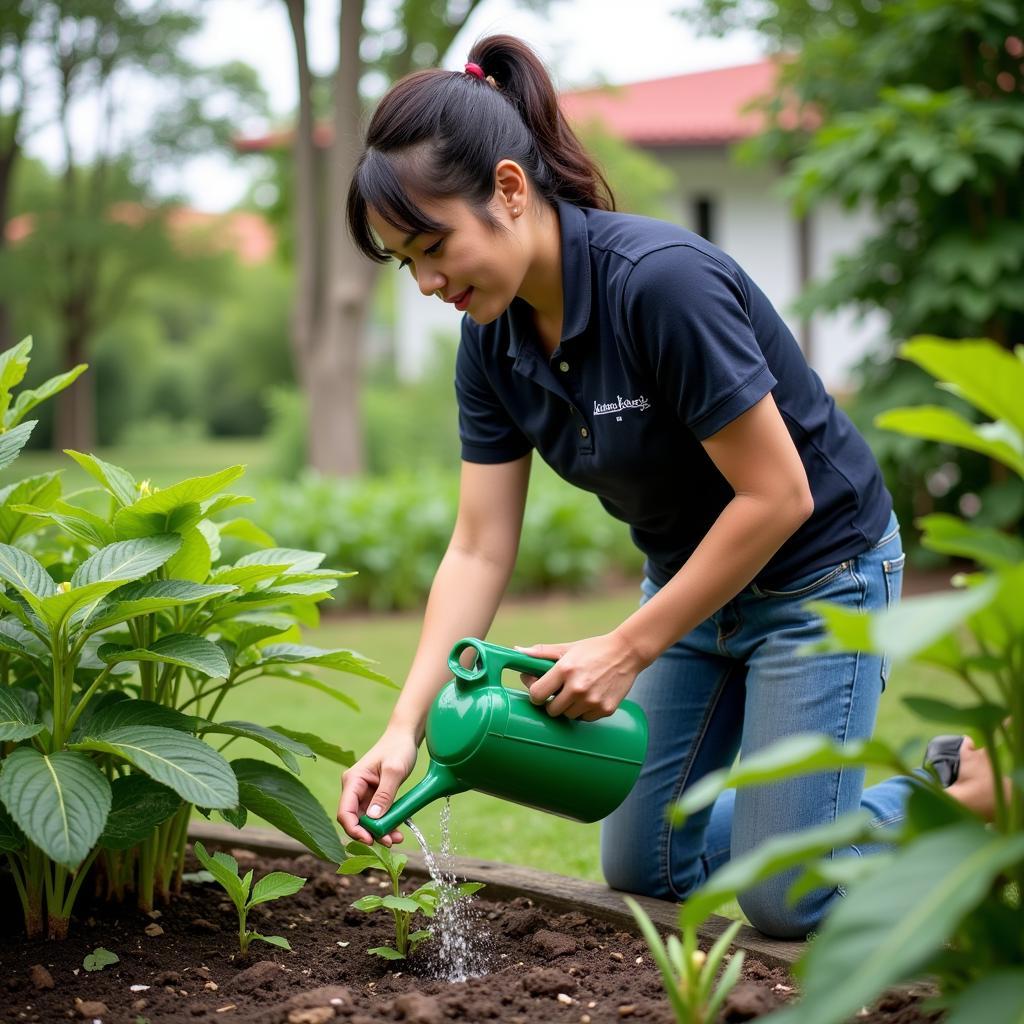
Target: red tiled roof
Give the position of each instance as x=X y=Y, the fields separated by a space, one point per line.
x=701 y=108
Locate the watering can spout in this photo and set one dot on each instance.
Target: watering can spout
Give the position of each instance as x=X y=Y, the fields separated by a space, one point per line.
x=439 y=782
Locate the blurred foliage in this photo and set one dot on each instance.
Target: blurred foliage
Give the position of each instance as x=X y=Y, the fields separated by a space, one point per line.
x=94 y=232
x=913 y=110
x=394 y=531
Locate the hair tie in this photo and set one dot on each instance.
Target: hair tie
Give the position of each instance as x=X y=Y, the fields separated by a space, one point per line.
x=475 y=70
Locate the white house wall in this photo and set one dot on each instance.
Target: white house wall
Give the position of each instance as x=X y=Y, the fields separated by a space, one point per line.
x=751 y=222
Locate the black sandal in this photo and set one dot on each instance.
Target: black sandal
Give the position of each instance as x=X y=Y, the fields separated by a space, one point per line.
x=943 y=755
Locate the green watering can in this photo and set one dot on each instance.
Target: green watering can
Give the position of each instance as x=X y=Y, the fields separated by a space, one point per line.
x=482 y=735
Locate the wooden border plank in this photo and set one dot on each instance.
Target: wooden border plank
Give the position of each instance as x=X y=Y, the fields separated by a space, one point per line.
x=558 y=892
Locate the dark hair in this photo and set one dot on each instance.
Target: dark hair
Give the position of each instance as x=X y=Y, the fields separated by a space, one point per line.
x=439 y=134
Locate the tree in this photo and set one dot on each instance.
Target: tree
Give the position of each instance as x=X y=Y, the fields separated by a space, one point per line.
x=85 y=251
x=913 y=109
x=334 y=282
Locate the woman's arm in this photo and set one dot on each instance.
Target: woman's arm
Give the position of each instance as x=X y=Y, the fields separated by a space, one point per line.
x=464 y=597
x=756 y=455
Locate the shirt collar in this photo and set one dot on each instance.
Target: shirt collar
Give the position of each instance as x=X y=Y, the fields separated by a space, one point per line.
x=575 y=282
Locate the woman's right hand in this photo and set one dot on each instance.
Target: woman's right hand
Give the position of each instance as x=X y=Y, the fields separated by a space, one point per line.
x=370 y=785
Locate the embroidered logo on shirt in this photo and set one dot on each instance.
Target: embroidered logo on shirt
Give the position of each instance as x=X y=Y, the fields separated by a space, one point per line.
x=620 y=405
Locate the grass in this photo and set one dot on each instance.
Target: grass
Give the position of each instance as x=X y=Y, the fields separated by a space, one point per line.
x=482 y=826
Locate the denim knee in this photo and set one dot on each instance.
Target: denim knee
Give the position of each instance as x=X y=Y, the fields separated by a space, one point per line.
x=636 y=867
x=769 y=912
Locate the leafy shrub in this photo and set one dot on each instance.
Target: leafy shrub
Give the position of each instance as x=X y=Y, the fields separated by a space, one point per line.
x=394 y=530
x=121 y=633
x=944 y=898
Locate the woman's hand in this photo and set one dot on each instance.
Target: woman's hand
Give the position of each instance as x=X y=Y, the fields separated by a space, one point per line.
x=590 y=677
x=370 y=785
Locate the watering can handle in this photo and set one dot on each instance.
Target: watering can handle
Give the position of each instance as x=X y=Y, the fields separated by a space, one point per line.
x=492 y=660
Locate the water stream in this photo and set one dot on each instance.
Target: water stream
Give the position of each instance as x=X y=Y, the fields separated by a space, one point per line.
x=457 y=950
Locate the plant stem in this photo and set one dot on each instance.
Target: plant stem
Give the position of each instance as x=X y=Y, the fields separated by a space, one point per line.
x=86 y=697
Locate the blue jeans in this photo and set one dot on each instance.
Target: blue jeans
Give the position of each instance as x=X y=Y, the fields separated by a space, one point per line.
x=735 y=685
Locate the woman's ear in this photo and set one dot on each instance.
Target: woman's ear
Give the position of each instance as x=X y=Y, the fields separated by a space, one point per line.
x=510 y=186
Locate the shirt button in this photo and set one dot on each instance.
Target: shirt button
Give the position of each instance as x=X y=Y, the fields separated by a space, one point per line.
x=584 y=432
x=563 y=366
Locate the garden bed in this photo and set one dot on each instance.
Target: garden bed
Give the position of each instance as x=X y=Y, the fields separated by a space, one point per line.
x=553 y=949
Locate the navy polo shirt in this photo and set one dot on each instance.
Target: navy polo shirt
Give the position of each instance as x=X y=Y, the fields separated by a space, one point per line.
x=665 y=340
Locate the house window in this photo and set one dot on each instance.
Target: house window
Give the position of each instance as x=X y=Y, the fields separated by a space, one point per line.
x=703 y=216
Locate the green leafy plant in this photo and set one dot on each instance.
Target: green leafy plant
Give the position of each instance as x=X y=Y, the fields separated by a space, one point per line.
x=687 y=972
x=245 y=895
x=122 y=631
x=944 y=897
x=424 y=900
x=100 y=958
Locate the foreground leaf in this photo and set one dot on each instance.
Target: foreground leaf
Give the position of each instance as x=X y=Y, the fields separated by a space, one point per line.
x=285 y=802
x=184 y=649
x=192 y=768
x=139 y=805
x=274 y=886
x=322 y=748
x=887 y=931
x=60 y=801
x=100 y=958
x=17 y=715
x=284 y=746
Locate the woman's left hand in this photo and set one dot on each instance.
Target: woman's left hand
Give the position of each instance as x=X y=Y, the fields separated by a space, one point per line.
x=590 y=677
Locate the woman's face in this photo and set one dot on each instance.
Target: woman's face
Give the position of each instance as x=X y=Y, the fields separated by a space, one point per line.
x=472 y=265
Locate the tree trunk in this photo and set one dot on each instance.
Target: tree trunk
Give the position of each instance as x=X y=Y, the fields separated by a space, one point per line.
x=75 y=414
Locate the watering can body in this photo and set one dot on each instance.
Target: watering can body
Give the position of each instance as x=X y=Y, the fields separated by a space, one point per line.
x=483 y=736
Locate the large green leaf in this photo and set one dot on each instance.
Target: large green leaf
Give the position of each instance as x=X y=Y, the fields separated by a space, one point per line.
x=294 y=558
x=214 y=506
x=140 y=517
x=14 y=362
x=986 y=546
x=28 y=399
x=116 y=710
x=792 y=756
x=78 y=522
x=907 y=628
x=247 y=576
x=185 y=649
x=245 y=529
x=980 y=371
x=13 y=440
x=887 y=931
x=997 y=998
x=16 y=639
x=60 y=607
x=39 y=491
x=321 y=747
x=126 y=560
x=274 y=886
x=284 y=746
x=192 y=768
x=339 y=659
x=937 y=423
x=60 y=801
x=193 y=560
x=24 y=573
x=772 y=857
x=17 y=715
x=151 y=596
x=119 y=482
x=285 y=802
x=139 y=805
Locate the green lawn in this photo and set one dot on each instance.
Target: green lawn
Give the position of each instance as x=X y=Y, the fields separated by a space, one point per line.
x=162 y=465
x=482 y=826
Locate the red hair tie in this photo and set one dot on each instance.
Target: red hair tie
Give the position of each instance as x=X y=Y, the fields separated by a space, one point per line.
x=475 y=69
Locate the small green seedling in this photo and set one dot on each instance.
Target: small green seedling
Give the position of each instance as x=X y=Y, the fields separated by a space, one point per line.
x=688 y=973
x=224 y=869
x=424 y=900
x=100 y=958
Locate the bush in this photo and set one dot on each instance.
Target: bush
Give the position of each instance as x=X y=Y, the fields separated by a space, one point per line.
x=394 y=530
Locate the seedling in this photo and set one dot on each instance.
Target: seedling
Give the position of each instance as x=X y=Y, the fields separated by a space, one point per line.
x=688 y=973
x=99 y=958
x=224 y=869
x=424 y=900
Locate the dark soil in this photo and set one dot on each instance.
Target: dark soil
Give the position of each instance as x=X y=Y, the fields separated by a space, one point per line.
x=540 y=966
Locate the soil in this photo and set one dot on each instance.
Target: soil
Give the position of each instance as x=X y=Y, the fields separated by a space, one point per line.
x=539 y=966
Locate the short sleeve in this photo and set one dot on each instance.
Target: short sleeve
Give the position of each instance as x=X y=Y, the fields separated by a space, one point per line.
x=486 y=430
x=687 y=315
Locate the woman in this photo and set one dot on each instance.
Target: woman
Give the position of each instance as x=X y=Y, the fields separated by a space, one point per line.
x=646 y=367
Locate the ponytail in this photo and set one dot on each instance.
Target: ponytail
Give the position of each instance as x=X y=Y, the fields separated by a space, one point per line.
x=439 y=134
